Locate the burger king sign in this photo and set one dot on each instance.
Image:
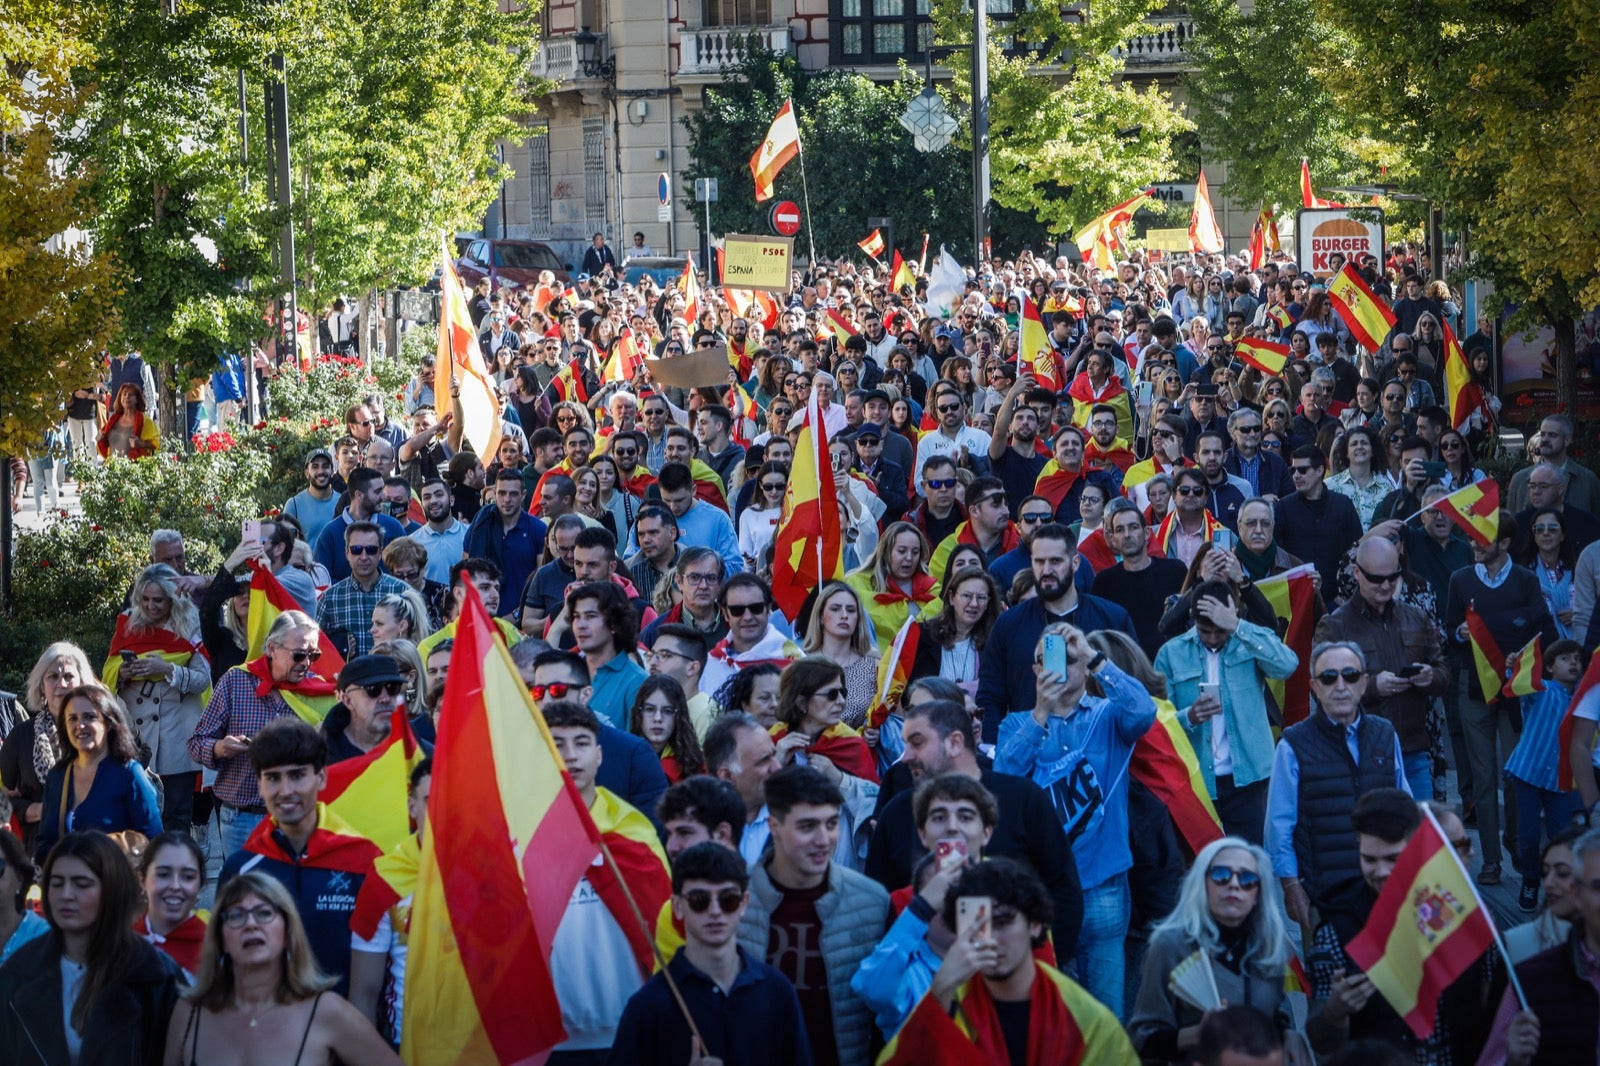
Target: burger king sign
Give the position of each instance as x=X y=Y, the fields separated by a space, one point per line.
x=1321 y=233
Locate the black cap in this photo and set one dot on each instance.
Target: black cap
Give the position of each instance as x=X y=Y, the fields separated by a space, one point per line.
x=369 y=670
x=875 y=394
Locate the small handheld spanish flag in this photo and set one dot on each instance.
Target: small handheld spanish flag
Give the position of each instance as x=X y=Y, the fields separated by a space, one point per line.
x=872 y=243
x=1475 y=508
x=1525 y=670
x=1268 y=357
x=1487 y=659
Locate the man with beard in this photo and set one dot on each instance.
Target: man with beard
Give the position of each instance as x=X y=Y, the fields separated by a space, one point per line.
x=1555 y=438
x=1228 y=492
x=1105 y=450
x=1014 y=455
x=313 y=506
x=442 y=534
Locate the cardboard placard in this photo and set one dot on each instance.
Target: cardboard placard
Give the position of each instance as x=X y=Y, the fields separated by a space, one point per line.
x=757 y=262
x=691 y=369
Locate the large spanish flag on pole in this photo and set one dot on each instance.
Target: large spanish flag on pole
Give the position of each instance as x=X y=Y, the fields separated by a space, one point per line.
x=1369 y=318
x=1294 y=600
x=781 y=145
x=509 y=837
x=1475 y=508
x=1461 y=396
x=1204 y=235
x=1098 y=240
x=458 y=357
x=1164 y=762
x=900 y=275
x=808 y=549
x=1426 y=929
x=1035 y=355
x=269 y=599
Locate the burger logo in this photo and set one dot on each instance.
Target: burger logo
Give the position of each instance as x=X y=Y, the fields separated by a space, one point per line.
x=1343 y=235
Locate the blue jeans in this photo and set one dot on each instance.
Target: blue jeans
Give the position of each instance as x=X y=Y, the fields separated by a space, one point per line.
x=1102 y=961
x=237 y=826
x=1537 y=805
x=192 y=410
x=1419 y=774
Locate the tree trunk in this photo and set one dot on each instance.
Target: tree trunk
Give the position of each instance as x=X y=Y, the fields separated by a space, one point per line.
x=1566 y=366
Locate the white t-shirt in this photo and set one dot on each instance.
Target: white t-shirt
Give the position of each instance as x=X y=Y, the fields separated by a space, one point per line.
x=1221 y=753
x=72 y=975
x=594 y=971
x=387 y=940
x=1589 y=707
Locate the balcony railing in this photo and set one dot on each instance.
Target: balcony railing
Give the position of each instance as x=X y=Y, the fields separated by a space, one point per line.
x=712 y=49
x=557 y=59
x=1167 y=46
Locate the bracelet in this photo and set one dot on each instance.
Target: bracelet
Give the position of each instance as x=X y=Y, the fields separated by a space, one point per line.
x=1097 y=662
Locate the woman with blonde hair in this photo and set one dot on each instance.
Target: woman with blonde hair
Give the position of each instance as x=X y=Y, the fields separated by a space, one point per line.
x=897 y=582
x=259 y=997
x=406 y=654
x=158 y=666
x=33 y=747
x=838 y=631
x=401 y=616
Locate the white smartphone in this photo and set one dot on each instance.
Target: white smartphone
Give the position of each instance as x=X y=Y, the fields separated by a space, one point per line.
x=973 y=914
x=1212 y=689
x=251 y=531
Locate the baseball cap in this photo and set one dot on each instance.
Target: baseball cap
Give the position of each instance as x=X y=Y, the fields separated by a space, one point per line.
x=369 y=670
x=319 y=453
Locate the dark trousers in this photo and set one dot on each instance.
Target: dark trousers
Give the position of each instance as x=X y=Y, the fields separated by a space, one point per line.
x=177 y=801
x=595 y=1057
x=1243 y=810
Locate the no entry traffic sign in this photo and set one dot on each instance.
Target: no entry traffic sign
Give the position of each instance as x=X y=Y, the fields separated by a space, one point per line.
x=786 y=218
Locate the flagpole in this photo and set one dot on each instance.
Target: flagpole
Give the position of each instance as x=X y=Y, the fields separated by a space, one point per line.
x=1500 y=945
x=805 y=198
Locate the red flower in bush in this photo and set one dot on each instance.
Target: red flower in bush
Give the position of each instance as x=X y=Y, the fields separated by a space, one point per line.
x=44 y=564
x=95 y=528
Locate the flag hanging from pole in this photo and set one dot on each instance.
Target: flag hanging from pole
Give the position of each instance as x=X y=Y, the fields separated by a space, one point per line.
x=268 y=599
x=781 y=145
x=1035 y=354
x=1264 y=237
x=459 y=358
x=1307 y=197
x=1475 y=508
x=1462 y=396
x=626 y=359
x=689 y=285
x=1366 y=314
x=1099 y=240
x=1164 y=761
x=894 y=670
x=1587 y=700
x=835 y=326
x=369 y=793
x=1204 y=235
x=872 y=244
x=1293 y=597
x=808 y=549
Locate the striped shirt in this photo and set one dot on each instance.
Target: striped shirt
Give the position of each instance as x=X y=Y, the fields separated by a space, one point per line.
x=347 y=608
x=234 y=710
x=1535 y=758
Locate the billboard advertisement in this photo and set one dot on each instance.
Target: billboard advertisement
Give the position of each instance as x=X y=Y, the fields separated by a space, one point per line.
x=1528 y=374
x=1320 y=232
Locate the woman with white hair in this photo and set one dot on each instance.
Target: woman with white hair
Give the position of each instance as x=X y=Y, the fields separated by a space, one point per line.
x=34 y=745
x=158 y=666
x=1230 y=911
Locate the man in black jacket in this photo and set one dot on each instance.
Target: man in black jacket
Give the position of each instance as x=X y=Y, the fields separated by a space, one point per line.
x=890 y=478
x=1317 y=525
x=598 y=256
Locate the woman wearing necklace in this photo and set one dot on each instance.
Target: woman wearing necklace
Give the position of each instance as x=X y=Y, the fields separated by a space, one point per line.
x=91 y=991
x=100 y=785
x=172 y=871
x=838 y=631
x=950 y=644
x=259 y=997
x=33 y=746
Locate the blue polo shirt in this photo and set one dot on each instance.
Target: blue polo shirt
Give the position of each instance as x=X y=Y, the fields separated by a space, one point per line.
x=615 y=685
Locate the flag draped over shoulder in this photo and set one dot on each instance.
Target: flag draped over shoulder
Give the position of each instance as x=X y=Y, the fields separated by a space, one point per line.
x=1366 y=314
x=369 y=793
x=1204 y=235
x=160 y=643
x=459 y=357
x=1475 y=508
x=1487 y=659
x=1268 y=357
x=782 y=144
x=509 y=838
x=635 y=848
x=310 y=699
x=1099 y=240
x=1035 y=354
x=808 y=548
x=1164 y=761
x=1294 y=600
x=1426 y=929
x=268 y=599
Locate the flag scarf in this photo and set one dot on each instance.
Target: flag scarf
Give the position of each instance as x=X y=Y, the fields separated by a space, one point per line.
x=1364 y=311
x=872 y=244
x=1164 y=761
x=1096 y=551
x=843 y=746
x=1204 y=236
x=459 y=355
x=393 y=881
x=708 y=484
x=1035 y=354
x=160 y=643
x=1426 y=929
x=1462 y=397
x=1584 y=698
x=900 y=275
x=1099 y=239
x=835 y=326
x=626 y=359
x=509 y=838
x=1169 y=529
x=1307 y=197
x=782 y=144
x=1294 y=601
x=1487 y=658
x=894 y=671
x=1525 y=670
x=1475 y=508
x=1119 y=455
x=369 y=793
x=333 y=845
x=310 y=699
x=636 y=849
x=1268 y=357
x=1010 y=538
x=1054 y=482
x=268 y=599
x=809 y=548
x=182 y=944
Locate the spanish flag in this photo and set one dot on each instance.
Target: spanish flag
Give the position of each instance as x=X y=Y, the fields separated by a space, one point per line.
x=1487 y=658
x=1280 y=316
x=631 y=843
x=1055 y=481
x=1307 y=197
x=1525 y=670
x=835 y=326
x=1169 y=529
x=1475 y=508
x=1099 y=240
x=782 y=144
x=459 y=358
x=808 y=549
x=900 y=276
x=1263 y=237
x=310 y=699
x=1164 y=761
x=369 y=793
x=1035 y=354
x=1204 y=235
x=509 y=839
x=1369 y=318
x=1426 y=929
x=1294 y=601
x=689 y=285
x=626 y=359
x=1269 y=357
x=872 y=244
x=1585 y=698
x=268 y=599
x=1462 y=397
x=894 y=670
x=158 y=643
x=569 y=384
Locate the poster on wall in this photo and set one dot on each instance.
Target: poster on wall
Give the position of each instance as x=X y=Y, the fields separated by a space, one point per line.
x=1528 y=370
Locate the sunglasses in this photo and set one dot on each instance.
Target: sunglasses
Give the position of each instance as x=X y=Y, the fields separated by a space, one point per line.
x=1349 y=674
x=1191 y=490
x=1303 y=470
x=1450 y=446
x=1166 y=433
x=1378 y=579
x=739 y=610
x=698 y=900
x=630 y=453
x=556 y=690
x=363 y=549
x=1037 y=518
x=1248 y=429
x=393 y=688
x=941 y=483
x=306 y=656
x=773 y=486
x=837 y=692
x=946 y=408
x=1222 y=875
x=368 y=422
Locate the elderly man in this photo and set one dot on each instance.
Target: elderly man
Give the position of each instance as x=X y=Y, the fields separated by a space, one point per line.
x=1403 y=648
x=1547 y=491
x=1322 y=765
x=370 y=691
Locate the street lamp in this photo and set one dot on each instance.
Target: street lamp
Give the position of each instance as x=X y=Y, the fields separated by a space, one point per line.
x=591 y=56
x=929 y=122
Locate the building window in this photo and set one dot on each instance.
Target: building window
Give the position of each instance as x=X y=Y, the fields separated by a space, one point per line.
x=594 y=175
x=882 y=32
x=738 y=12
x=539 y=180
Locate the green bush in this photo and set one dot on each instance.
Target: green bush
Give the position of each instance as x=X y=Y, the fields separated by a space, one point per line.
x=333 y=384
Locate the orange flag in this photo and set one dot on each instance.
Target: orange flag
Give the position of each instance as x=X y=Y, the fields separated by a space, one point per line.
x=781 y=145
x=809 y=548
x=1204 y=235
x=459 y=356
x=1307 y=197
x=509 y=838
x=1099 y=240
x=1035 y=354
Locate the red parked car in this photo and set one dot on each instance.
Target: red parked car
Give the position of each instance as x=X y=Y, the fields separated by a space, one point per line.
x=510 y=264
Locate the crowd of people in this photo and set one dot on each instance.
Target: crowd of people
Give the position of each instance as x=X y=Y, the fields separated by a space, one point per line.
x=843 y=869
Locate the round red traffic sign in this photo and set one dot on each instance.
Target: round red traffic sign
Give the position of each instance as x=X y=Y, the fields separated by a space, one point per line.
x=786 y=218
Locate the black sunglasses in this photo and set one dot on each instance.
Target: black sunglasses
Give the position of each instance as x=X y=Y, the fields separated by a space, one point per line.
x=699 y=900
x=1350 y=675
x=306 y=656
x=393 y=688
x=738 y=610
x=1378 y=579
x=1221 y=875
x=362 y=549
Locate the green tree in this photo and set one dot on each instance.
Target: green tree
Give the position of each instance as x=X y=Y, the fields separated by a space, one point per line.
x=55 y=314
x=1069 y=136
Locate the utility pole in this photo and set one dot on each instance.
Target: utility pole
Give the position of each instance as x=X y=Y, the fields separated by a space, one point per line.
x=980 y=129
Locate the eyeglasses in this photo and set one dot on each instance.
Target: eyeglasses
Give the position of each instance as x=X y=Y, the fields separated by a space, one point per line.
x=837 y=692
x=941 y=483
x=702 y=580
x=1378 y=579
x=393 y=688
x=665 y=653
x=657 y=712
x=1463 y=847
x=306 y=656
x=993 y=497
x=739 y=610
x=239 y=917
x=1034 y=519
x=1547 y=527
x=556 y=690
x=1349 y=674
x=406 y=575
x=1222 y=875
x=773 y=486
x=699 y=900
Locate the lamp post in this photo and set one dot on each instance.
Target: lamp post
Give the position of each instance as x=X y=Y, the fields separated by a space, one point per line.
x=932 y=126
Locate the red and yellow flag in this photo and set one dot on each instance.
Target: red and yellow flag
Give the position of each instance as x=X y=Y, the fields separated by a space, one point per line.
x=1294 y=600
x=568 y=383
x=1307 y=197
x=781 y=145
x=894 y=671
x=1426 y=929
x=1525 y=670
x=1264 y=237
x=268 y=599
x=1099 y=240
x=1461 y=396
x=626 y=358
x=1585 y=698
x=147 y=643
x=459 y=357
x=900 y=275
x=1269 y=357
x=1487 y=659
x=872 y=244
x=1169 y=529
x=369 y=793
x=1035 y=354
x=808 y=549
x=1366 y=314
x=1281 y=317
x=1475 y=508
x=1164 y=761
x=509 y=838
x=689 y=285
x=835 y=326
x=1204 y=235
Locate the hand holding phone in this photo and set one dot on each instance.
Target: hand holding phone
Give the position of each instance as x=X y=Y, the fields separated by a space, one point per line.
x=1409 y=671
x=974 y=916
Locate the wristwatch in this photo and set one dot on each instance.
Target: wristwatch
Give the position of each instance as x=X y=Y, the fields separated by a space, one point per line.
x=1097 y=662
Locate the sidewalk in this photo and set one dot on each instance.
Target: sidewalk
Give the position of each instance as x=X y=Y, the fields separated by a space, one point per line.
x=28 y=517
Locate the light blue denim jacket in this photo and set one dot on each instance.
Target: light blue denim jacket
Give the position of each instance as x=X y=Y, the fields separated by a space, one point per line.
x=894 y=978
